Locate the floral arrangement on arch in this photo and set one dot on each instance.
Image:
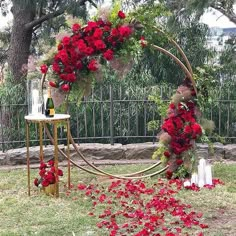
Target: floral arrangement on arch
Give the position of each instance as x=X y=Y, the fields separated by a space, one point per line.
x=47 y=173
x=180 y=130
x=83 y=53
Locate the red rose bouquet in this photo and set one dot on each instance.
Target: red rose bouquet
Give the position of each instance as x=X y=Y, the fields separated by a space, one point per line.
x=47 y=173
x=82 y=53
x=180 y=130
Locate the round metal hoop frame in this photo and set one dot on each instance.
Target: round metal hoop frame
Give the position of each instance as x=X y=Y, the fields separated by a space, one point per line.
x=187 y=69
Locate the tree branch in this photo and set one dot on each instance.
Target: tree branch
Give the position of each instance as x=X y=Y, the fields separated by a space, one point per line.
x=40 y=20
x=49 y=16
x=229 y=14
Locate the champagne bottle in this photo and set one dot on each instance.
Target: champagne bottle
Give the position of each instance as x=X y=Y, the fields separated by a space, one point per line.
x=49 y=109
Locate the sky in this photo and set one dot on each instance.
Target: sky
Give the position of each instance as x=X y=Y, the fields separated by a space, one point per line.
x=212 y=18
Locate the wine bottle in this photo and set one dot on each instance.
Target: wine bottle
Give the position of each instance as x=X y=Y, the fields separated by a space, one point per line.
x=49 y=109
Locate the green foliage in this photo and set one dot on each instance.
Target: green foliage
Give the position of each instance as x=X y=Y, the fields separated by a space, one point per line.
x=12 y=93
x=205 y=82
x=228 y=58
x=12 y=96
x=161 y=105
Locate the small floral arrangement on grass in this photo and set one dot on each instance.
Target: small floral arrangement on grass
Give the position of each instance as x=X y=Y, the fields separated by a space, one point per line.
x=81 y=54
x=180 y=130
x=47 y=173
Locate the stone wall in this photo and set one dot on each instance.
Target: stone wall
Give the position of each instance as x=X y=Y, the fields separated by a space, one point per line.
x=96 y=152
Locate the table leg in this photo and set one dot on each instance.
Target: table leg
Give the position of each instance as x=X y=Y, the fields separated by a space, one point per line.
x=68 y=150
x=56 y=158
x=40 y=142
x=27 y=156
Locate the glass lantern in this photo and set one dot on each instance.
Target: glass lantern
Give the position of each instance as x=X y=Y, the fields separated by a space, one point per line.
x=35 y=97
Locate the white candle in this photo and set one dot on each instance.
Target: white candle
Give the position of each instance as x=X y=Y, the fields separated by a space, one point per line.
x=208 y=174
x=194 y=178
x=35 y=102
x=201 y=173
x=187 y=183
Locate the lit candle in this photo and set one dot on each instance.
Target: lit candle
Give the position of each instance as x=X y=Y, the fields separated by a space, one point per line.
x=208 y=174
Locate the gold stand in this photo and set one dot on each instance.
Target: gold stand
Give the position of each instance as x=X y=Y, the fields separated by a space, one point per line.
x=41 y=120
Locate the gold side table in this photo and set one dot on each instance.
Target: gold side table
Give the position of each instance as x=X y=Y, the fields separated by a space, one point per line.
x=42 y=120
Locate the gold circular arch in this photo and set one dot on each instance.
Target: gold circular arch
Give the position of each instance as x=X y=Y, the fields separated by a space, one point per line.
x=187 y=69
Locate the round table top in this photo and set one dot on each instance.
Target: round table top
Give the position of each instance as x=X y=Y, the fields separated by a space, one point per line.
x=42 y=117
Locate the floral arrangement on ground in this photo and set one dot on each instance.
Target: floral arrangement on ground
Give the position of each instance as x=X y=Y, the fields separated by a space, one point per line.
x=47 y=173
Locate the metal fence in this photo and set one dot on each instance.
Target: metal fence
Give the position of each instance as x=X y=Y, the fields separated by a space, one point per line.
x=117 y=114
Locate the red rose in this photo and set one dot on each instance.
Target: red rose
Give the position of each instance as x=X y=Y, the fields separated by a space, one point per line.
x=59 y=47
x=44 y=68
x=71 y=77
x=42 y=165
x=79 y=65
x=45 y=183
x=65 y=87
x=169 y=127
x=99 y=44
x=60 y=172
x=51 y=163
x=98 y=33
x=115 y=33
x=50 y=178
x=93 y=65
x=92 y=24
x=172 y=106
x=63 y=56
x=178 y=122
x=66 y=41
x=88 y=51
x=56 y=67
x=75 y=27
x=53 y=84
x=169 y=174
x=179 y=162
x=81 y=45
x=36 y=182
x=197 y=128
x=108 y=55
x=125 y=31
x=107 y=28
x=42 y=172
x=188 y=130
x=121 y=14
x=167 y=154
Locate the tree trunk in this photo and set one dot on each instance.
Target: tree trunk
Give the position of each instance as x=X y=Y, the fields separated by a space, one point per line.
x=21 y=37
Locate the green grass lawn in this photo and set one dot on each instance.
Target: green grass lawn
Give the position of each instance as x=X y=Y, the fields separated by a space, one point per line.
x=68 y=215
